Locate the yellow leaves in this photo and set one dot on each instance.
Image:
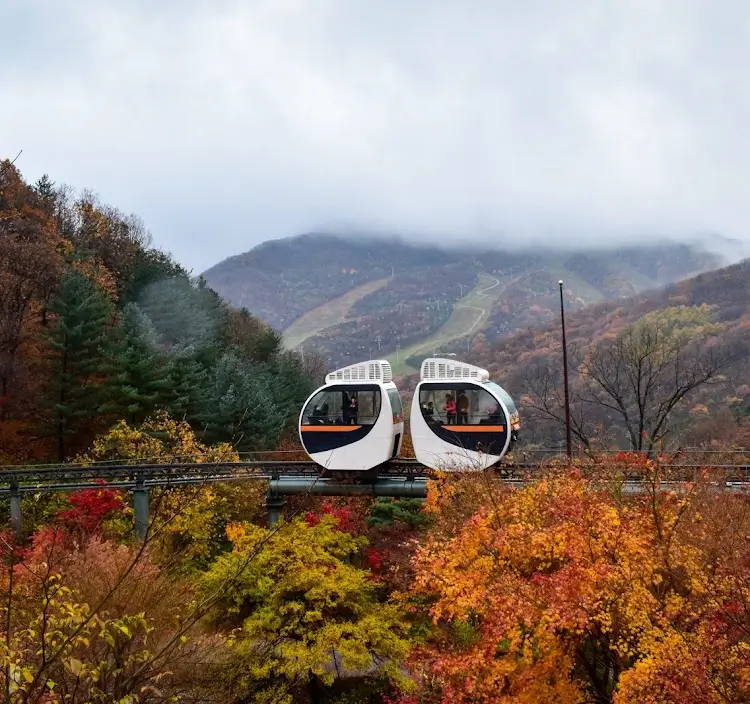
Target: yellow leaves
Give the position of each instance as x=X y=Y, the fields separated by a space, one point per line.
x=75 y=666
x=305 y=597
x=160 y=439
x=562 y=571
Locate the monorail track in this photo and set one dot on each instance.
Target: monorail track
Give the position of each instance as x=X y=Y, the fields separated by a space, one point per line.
x=69 y=477
x=397 y=478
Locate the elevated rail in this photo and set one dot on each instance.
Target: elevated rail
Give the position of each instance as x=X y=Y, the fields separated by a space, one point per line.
x=398 y=478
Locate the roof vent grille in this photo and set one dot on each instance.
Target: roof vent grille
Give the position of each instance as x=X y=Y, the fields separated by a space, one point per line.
x=377 y=370
x=449 y=369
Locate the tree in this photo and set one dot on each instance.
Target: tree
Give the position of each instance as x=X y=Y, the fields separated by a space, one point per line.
x=94 y=622
x=545 y=401
x=77 y=341
x=243 y=405
x=140 y=376
x=190 y=522
x=567 y=591
x=186 y=316
x=644 y=374
x=307 y=616
x=149 y=267
x=30 y=265
x=188 y=382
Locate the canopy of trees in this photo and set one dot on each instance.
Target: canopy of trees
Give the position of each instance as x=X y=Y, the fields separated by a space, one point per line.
x=97 y=326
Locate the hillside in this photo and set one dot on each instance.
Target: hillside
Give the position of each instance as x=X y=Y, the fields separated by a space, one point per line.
x=347 y=298
x=97 y=326
x=712 y=309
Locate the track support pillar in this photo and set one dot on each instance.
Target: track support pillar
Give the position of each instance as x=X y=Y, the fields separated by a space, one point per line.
x=140 y=508
x=15 y=510
x=275 y=505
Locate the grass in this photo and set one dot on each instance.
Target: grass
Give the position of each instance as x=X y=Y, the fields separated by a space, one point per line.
x=468 y=316
x=578 y=286
x=327 y=315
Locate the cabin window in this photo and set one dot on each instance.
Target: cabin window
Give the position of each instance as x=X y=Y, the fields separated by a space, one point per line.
x=460 y=406
x=396 y=408
x=334 y=406
x=505 y=397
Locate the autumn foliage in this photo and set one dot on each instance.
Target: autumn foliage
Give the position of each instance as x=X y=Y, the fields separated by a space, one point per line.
x=569 y=591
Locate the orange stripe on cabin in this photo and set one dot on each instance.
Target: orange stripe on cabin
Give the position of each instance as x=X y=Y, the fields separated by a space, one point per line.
x=329 y=428
x=475 y=428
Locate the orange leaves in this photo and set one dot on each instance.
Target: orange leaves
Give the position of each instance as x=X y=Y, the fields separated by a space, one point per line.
x=549 y=592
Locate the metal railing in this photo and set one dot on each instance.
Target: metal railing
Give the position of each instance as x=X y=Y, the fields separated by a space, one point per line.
x=399 y=477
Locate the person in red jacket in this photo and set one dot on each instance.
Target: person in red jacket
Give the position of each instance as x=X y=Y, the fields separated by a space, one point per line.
x=450 y=409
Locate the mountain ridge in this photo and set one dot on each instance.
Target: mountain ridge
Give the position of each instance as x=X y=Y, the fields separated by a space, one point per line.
x=417 y=294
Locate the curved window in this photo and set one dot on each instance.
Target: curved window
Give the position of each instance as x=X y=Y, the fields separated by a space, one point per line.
x=454 y=405
x=396 y=408
x=343 y=406
x=504 y=396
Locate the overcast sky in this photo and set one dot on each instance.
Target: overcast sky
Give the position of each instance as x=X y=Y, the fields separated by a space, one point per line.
x=223 y=124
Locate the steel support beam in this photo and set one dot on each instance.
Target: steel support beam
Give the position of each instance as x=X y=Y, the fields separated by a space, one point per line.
x=416 y=488
x=15 y=510
x=275 y=505
x=140 y=508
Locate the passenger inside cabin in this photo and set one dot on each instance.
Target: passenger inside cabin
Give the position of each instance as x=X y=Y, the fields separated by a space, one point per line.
x=428 y=411
x=352 y=414
x=345 y=407
x=450 y=409
x=495 y=417
x=463 y=409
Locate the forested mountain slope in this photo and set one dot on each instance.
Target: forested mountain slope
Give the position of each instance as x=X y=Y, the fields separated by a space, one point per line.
x=350 y=298
x=96 y=325
x=656 y=341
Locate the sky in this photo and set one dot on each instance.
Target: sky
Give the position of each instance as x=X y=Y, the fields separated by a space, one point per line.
x=226 y=123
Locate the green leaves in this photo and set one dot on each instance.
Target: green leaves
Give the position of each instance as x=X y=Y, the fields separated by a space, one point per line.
x=78 y=342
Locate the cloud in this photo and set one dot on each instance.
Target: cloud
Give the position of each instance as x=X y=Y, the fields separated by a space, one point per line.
x=227 y=123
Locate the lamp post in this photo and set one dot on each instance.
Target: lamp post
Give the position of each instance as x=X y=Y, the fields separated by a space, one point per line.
x=568 y=443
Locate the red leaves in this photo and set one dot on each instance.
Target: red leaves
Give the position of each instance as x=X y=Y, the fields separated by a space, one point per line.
x=347 y=518
x=374 y=559
x=91 y=507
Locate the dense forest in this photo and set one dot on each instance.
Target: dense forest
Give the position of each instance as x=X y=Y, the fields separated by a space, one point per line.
x=685 y=346
x=567 y=589
x=97 y=325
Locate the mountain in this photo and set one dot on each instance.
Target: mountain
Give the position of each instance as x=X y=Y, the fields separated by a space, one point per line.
x=713 y=309
x=350 y=298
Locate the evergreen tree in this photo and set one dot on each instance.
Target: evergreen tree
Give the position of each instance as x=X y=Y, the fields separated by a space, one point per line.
x=185 y=314
x=149 y=267
x=268 y=345
x=291 y=386
x=77 y=343
x=242 y=407
x=140 y=380
x=186 y=397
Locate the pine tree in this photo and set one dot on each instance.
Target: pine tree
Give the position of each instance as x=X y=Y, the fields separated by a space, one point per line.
x=242 y=407
x=140 y=380
x=290 y=386
x=185 y=316
x=187 y=389
x=77 y=343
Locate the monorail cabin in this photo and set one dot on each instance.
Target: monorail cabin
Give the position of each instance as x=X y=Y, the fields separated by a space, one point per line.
x=460 y=420
x=355 y=421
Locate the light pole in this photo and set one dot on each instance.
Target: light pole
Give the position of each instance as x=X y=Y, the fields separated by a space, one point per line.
x=569 y=446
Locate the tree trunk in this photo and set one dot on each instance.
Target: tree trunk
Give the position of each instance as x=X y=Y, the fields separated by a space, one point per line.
x=314 y=690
